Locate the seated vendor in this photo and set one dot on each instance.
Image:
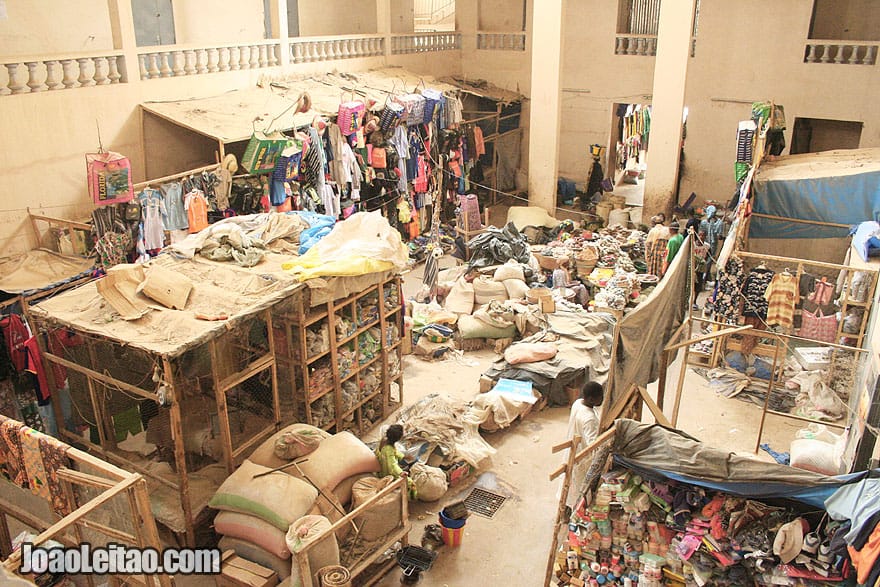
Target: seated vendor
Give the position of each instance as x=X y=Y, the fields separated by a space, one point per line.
x=562 y=279
x=388 y=455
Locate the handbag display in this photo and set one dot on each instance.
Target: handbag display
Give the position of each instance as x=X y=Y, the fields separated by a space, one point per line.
x=109 y=177
x=818 y=326
x=413 y=108
x=390 y=115
x=262 y=152
x=349 y=116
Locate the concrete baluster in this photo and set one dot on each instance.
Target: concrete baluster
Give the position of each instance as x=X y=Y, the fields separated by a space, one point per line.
x=870 y=55
x=189 y=62
x=68 y=75
x=85 y=79
x=838 y=58
x=216 y=60
x=33 y=82
x=255 y=56
x=826 y=54
x=854 y=56
x=53 y=82
x=101 y=71
x=113 y=64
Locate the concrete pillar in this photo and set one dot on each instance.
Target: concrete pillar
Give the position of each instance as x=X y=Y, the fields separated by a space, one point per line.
x=383 y=24
x=546 y=101
x=467 y=16
x=280 y=30
x=124 y=39
x=670 y=80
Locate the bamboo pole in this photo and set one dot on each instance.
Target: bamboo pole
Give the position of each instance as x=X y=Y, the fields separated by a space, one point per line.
x=560 y=509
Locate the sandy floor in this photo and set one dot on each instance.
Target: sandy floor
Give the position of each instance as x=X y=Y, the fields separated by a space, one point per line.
x=514 y=545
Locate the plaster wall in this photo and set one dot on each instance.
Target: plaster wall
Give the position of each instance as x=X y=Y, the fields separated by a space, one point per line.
x=337 y=17
x=200 y=22
x=40 y=27
x=501 y=16
x=722 y=84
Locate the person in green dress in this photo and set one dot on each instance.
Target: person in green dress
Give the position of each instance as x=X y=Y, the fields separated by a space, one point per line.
x=675 y=240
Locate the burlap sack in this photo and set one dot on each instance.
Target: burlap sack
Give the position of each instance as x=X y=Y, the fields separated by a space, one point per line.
x=383 y=515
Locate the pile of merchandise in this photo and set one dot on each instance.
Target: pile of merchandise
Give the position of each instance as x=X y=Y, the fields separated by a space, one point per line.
x=648 y=533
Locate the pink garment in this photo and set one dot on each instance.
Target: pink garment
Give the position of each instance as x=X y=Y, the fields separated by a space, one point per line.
x=822 y=294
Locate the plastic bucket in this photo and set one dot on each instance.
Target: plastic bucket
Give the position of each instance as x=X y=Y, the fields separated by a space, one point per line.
x=451 y=523
x=451 y=536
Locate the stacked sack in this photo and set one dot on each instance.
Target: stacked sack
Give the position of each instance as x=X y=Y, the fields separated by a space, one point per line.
x=262 y=512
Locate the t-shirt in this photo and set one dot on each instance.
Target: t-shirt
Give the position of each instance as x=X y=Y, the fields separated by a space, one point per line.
x=584 y=422
x=196 y=210
x=672 y=247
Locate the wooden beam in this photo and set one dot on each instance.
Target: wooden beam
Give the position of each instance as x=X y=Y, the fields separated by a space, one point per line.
x=81 y=478
x=791 y=261
x=260 y=364
x=560 y=508
x=655 y=409
x=222 y=408
x=173 y=176
x=105 y=379
x=800 y=220
x=711 y=335
x=85 y=509
x=586 y=450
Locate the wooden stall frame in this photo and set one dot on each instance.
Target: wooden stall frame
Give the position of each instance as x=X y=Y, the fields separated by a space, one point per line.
x=113 y=482
x=221 y=385
x=400 y=534
x=724 y=331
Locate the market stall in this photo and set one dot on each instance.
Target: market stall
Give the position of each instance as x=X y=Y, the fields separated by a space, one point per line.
x=72 y=499
x=658 y=507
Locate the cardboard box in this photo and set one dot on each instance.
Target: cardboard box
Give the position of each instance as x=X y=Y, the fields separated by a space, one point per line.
x=813 y=357
x=548 y=305
x=238 y=572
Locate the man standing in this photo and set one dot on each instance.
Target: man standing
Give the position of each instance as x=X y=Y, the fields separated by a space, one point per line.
x=675 y=240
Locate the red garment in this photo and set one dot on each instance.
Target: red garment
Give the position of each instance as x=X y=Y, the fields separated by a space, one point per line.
x=58 y=341
x=420 y=184
x=35 y=366
x=16 y=334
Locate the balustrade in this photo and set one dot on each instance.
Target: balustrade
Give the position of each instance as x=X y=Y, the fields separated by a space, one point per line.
x=840 y=52
x=37 y=75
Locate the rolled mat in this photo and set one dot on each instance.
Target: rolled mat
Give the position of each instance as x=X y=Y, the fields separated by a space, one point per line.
x=334 y=576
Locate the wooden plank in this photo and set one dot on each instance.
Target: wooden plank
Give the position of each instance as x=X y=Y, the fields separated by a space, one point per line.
x=261 y=364
x=148 y=522
x=111 y=457
x=179 y=450
x=5 y=537
x=222 y=408
x=81 y=478
x=711 y=335
x=257 y=438
x=105 y=379
x=60 y=221
x=276 y=401
x=14 y=559
x=560 y=508
x=173 y=176
x=800 y=220
x=655 y=409
x=792 y=261
x=587 y=449
x=103 y=418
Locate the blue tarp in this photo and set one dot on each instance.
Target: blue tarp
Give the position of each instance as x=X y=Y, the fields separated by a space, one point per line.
x=848 y=199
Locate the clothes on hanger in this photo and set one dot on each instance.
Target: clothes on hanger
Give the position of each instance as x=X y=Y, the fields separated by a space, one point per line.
x=781 y=296
x=175 y=214
x=755 y=286
x=727 y=291
x=197 y=210
x=152 y=213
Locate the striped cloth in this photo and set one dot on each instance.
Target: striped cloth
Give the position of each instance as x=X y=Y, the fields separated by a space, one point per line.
x=781 y=296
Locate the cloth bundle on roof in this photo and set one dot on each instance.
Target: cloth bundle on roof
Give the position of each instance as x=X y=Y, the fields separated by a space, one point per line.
x=496 y=246
x=363 y=243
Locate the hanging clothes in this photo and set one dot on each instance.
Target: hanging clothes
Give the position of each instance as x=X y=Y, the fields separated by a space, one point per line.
x=152 y=213
x=330 y=200
x=16 y=335
x=11 y=462
x=197 y=210
x=479 y=142
x=822 y=294
x=818 y=326
x=175 y=214
x=753 y=290
x=781 y=296
x=727 y=291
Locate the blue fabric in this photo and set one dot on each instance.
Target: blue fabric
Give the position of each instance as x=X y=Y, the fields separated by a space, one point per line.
x=842 y=199
x=864 y=239
x=319 y=227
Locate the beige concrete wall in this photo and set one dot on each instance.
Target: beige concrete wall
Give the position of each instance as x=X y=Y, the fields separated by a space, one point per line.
x=40 y=27
x=402 y=14
x=595 y=79
x=855 y=20
x=762 y=58
x=501 y=15
x=337 y=17
x=200 y=22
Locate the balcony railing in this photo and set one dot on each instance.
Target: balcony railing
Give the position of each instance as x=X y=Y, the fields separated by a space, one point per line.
x=642 y=45
x=840 y=52
x=501 y=41
x=178 y=60
x=29 y=75
x=308 y=49
x=424 y=42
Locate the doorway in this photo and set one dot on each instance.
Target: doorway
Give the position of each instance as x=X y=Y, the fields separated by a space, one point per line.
x=812 y=135
x=628 y=149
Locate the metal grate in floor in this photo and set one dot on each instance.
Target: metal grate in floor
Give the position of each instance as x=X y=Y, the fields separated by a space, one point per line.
x=483 y=503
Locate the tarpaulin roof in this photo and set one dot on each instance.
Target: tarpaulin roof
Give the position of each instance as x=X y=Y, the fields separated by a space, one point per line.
x=840 y=187
x=233 y=116
x=652 y=450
